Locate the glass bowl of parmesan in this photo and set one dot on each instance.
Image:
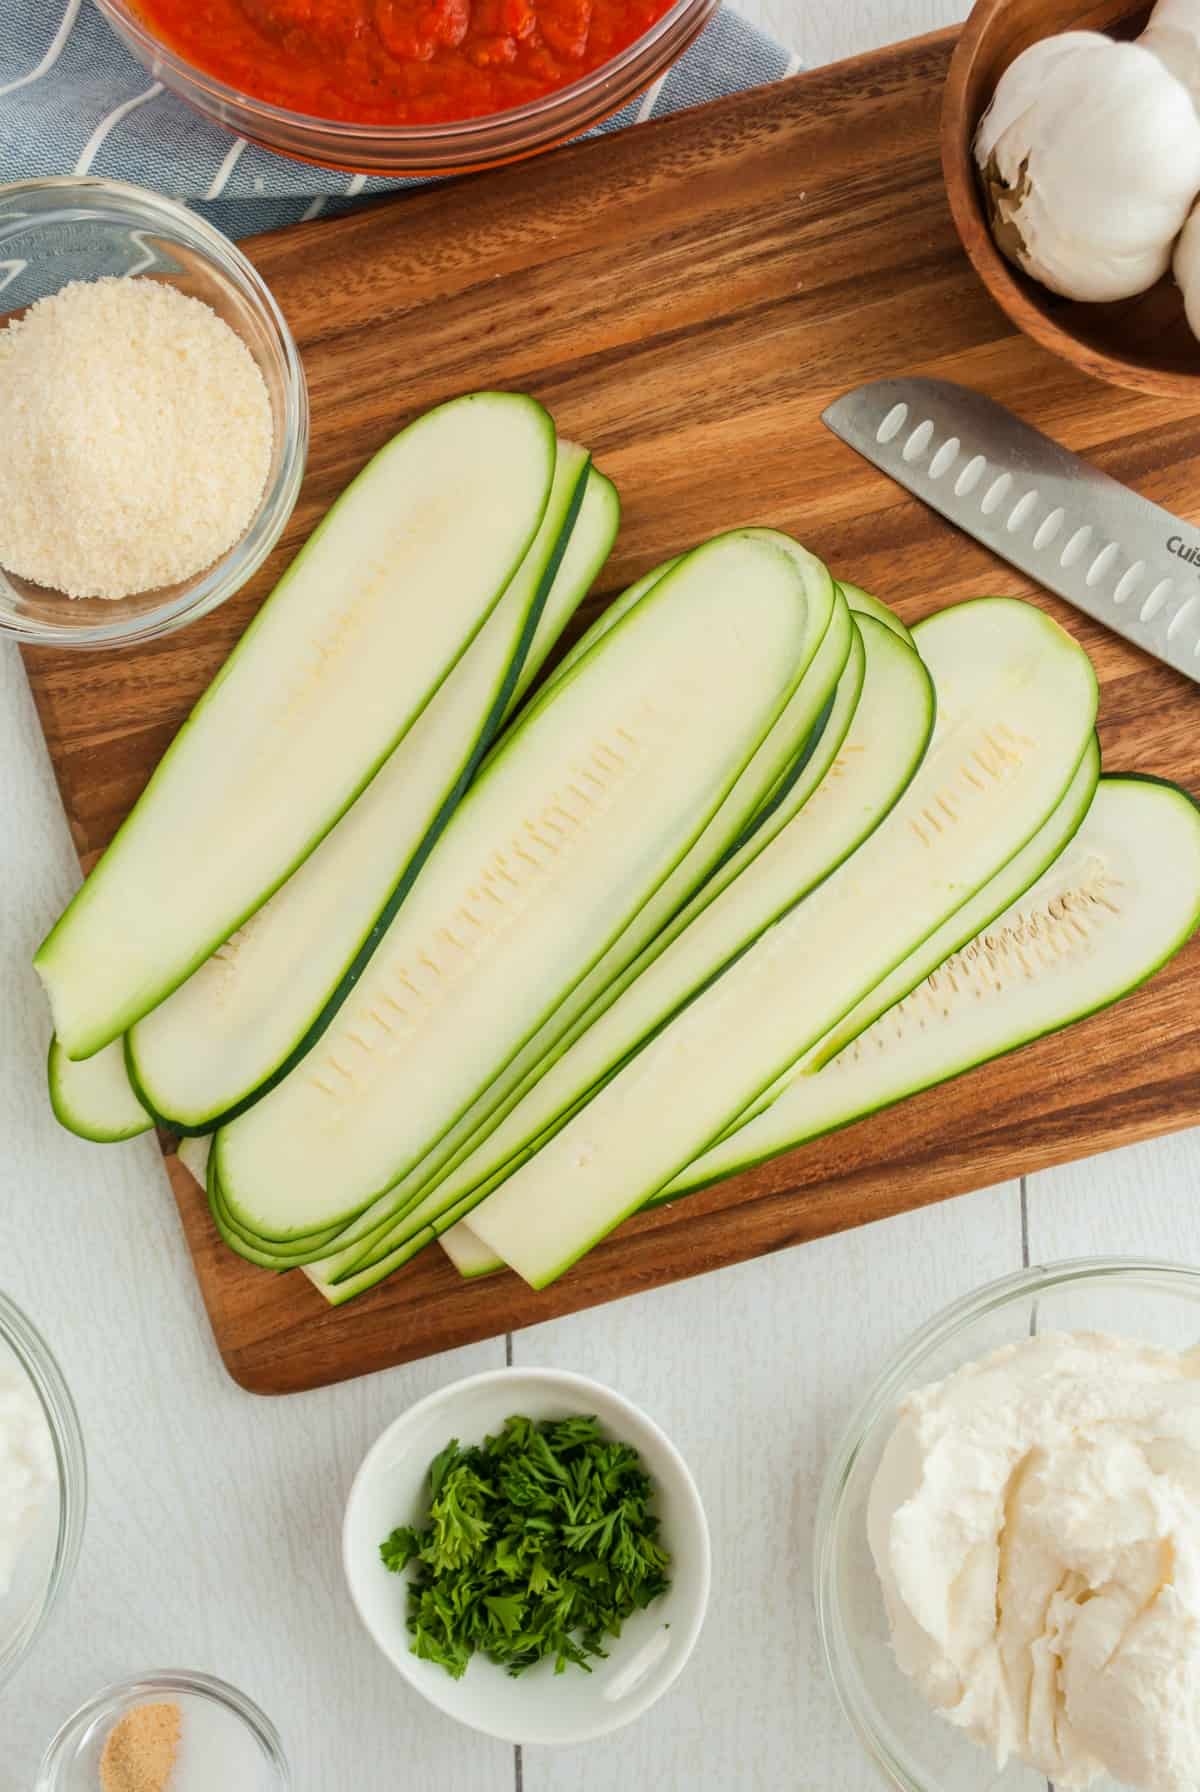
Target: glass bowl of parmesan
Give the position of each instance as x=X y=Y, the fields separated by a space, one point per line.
x=43 y=1485
x=153 y=415
x=1007 y=1560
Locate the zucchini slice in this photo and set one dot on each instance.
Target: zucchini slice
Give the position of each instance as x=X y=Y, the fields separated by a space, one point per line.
x=505 y=1089
x=883 y=745
x=1017 y=702
x=882 y=752
x=193 y=1154
x=231 y=1032
x=374 y=1219
x=588 y=806
x=337 y=665
x=469 y=1255
x=792 y=736
x=782 y=806
x=95 y=1098
x=1008 y=884
x=863 y=604
x=620 y=606
x=839 y=644
x=378 y=1231
x=1118 y=902
x=587 y=549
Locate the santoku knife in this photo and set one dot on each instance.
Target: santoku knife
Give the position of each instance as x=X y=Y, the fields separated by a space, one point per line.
x=1116 y=556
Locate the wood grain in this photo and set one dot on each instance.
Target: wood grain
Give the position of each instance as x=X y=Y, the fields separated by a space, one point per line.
x=687 y=298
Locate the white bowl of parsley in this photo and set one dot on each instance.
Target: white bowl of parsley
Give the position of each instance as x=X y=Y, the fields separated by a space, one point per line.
x=529 y=1550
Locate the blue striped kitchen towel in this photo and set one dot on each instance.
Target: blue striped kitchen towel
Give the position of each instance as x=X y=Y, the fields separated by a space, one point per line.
x=73 y=101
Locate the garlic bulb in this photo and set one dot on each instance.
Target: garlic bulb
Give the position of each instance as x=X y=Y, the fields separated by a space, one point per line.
x=1173 y=34
x=1090 y=156
x=1186 y=268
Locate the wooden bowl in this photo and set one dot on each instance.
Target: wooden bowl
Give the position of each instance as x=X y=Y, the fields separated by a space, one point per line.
x=1143 y=343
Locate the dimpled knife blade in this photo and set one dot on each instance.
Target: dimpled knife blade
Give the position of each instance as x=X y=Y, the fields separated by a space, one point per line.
x=1116 y=556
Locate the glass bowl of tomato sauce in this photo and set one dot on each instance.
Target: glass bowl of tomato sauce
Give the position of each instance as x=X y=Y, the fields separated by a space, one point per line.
x=408 y=87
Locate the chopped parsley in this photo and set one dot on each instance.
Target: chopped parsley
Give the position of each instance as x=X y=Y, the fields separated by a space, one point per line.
x=539 y=1542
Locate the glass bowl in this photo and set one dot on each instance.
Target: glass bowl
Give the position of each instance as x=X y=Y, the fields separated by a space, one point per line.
x=460 y=148
x=914 y=1748
x=51 y=1549
x=226 y=1740
x=54 y=231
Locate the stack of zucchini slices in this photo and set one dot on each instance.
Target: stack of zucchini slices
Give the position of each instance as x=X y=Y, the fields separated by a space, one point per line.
x=461 y=964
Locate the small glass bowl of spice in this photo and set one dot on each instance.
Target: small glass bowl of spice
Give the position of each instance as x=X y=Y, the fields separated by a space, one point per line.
x=153 y=415
x=43 y=1485
x=167 y=1732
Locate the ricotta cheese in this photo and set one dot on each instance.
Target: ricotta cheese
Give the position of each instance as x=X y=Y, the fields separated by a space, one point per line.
x=1035 y=1523
x=28 y=1470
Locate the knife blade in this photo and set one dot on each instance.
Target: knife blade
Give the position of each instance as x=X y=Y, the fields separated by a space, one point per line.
x=1112 y=554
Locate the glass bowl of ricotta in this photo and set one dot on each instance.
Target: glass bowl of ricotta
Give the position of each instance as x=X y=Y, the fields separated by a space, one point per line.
x=152 y=451
x=43 y=1485
x=1025 y=1473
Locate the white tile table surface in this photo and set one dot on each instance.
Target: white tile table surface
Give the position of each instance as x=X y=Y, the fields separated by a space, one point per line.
x=213 y=1526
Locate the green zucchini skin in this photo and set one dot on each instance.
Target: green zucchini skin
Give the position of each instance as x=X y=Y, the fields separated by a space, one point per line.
x=588 y=546
x=1043 y=847
x=859 y=603
x=725 y=930
x=1009 y=681
x=867 y=605
x=1025 y=866
x=837 y=642
x=469 y=1255
x=472 y=1252
x=608 y=617
x=195 y=1154
x=856 y=1084
x=749 y=586
x=93 y=1099
x=911 y=707
x=265 y=1256
x=102 y=970
x=620 y=606
x=446 y=1160
x=787 y=783
x=586 y=550
x=776 y=815
x=814 y=762
x=195 y=1124
x=414 y=1197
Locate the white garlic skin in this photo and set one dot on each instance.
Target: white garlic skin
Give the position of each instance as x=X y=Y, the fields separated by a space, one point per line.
x=1173 y=35
x=1091 y=153
x=1186 y=268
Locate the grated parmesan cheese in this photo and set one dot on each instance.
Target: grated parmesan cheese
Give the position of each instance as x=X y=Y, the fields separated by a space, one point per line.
x=135 y=438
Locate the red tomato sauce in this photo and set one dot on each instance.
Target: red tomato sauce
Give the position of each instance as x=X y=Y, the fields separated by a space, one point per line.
x=399 y=62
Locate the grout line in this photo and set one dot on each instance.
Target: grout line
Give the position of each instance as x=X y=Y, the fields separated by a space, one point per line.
x=519 y=1768
x=508 y=1363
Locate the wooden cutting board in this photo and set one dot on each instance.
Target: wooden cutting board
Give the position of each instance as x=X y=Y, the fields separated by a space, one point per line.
x=686 y=297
